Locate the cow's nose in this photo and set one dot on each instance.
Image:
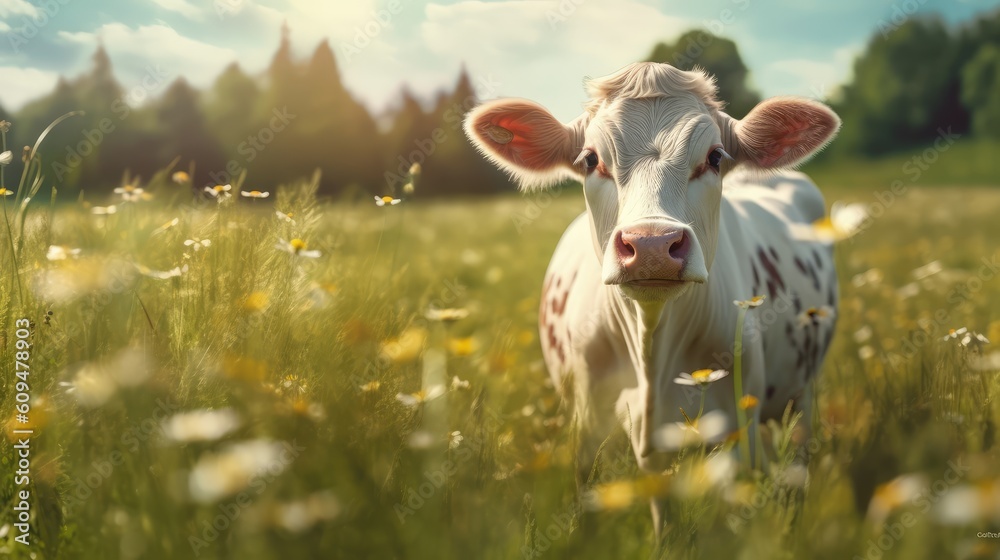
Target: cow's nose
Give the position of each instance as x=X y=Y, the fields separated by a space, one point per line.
x=652 y=254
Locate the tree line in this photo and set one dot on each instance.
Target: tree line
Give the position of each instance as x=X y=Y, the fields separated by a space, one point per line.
x=915 y=79
x=277 y=127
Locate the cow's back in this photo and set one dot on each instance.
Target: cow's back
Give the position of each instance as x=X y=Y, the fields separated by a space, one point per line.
x=796 y=274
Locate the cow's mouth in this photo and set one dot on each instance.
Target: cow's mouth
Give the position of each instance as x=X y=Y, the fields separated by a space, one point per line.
x=654 y=283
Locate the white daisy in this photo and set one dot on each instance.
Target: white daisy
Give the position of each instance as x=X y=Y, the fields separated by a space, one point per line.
x=420 y=397
x=198 y=244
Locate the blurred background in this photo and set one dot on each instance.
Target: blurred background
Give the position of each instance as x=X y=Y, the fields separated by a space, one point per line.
x=363 y=89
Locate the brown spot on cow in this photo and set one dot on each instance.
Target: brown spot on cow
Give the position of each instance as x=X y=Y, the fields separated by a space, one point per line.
x=559 y=300
x=774 y=276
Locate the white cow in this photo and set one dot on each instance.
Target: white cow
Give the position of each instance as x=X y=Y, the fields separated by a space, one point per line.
x=673 y=248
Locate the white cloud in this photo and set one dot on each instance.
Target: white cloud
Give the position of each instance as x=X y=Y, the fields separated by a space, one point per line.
x=182 y=7
x=13 y=7
x=543 y=50
x=24 y=84
x=311 y=21
x=4 y=27
x=811 y=78
x=491 y=29
x=156 y=49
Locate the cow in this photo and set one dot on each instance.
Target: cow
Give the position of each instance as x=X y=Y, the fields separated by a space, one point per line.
x=642 y=285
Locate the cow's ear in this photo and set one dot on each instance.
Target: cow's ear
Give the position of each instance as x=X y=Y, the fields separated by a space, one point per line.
x=525 y=140
x=784 y=132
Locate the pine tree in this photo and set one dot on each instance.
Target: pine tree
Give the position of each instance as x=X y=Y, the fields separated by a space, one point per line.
x=74 y=152
x=229 y=107
x=339 y=136
x=451 y=165
x=185 y=133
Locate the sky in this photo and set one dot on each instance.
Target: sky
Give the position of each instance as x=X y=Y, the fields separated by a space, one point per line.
x=536 y=49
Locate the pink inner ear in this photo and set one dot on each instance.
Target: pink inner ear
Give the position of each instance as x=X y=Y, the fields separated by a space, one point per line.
x=783 y=131
x=537 y=141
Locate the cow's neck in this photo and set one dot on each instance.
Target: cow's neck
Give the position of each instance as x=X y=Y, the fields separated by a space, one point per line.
x=639 y=322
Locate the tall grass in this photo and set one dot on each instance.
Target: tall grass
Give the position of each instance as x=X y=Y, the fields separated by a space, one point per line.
x=326 y=354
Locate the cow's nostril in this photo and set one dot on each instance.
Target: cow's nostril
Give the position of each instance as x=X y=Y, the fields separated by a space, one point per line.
x=679 y=247
x=625 y=249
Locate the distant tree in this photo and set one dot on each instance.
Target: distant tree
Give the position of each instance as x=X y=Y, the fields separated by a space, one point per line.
x=905 y=87
x=338 y=134
x=450 y=164
x=981 y=90
x=72 y=152
x=983 y=29
x=409 y=124
x=184 y=133
x=35 y=116
x=110 y=124
x=284 y=77
x=405 y=118
x=273 y=156
x=719 y=57
x=326 y=90
x=229 y=107
x=13 y=169
x=99 y=87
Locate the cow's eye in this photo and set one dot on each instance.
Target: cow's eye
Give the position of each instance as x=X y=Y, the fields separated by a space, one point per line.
x=715 y=158
x=589 y=160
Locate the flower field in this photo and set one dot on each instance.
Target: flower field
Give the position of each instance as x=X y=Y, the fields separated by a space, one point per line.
x=213 y=375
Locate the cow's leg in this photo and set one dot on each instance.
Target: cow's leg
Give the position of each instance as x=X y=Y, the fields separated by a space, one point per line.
x=658 y=508
x=803 y=428
x=600 y=383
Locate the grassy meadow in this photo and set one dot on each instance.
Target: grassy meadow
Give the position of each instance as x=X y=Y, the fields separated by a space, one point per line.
x=198 y=392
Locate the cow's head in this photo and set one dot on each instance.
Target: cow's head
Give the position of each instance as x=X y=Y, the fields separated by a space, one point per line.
x=651 y=149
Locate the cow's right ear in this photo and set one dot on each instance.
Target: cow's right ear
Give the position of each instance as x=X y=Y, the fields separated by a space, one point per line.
x=525 y=140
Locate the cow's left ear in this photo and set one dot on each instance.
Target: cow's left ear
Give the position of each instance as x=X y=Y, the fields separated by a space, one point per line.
x=783 y=132
x=524 y=139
